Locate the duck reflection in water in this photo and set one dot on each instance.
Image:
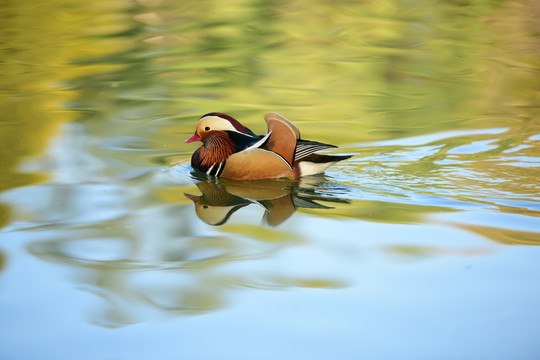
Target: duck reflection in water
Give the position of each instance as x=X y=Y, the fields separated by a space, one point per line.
x=279 y=198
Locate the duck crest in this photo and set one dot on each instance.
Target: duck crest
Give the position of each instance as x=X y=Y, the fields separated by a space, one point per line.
x=211 y=157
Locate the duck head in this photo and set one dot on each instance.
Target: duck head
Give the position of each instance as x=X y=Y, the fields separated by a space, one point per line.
x=212 y=122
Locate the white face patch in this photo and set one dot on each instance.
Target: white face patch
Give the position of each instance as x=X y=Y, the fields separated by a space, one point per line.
x=209 y=123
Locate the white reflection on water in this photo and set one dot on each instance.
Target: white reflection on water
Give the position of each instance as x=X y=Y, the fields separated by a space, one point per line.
x=424 y=245
x=429 y=138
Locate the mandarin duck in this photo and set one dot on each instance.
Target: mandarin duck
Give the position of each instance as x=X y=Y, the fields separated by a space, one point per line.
x=231 y=150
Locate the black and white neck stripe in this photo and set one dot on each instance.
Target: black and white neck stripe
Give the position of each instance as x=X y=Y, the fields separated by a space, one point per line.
x=216 y=169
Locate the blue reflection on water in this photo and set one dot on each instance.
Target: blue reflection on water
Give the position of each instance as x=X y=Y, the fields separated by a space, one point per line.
x=424 y=245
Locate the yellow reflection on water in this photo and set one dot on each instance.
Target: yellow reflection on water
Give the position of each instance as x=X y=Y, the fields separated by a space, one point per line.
x=505 y=236
x=40 y=43
x=132 y=78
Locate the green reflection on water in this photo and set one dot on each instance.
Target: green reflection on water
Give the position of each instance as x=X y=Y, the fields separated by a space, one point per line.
x=98 y=97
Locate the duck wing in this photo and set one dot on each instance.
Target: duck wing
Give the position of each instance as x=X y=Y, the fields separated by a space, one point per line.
x=304 y=148
x=283 y=136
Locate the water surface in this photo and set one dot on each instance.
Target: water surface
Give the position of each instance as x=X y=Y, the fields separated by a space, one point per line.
x=423 y=245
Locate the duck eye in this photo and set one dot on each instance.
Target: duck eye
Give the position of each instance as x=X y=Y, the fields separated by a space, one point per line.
x=207 y=128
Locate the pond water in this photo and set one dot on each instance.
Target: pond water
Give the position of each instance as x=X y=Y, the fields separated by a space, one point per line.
x=423 y=245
